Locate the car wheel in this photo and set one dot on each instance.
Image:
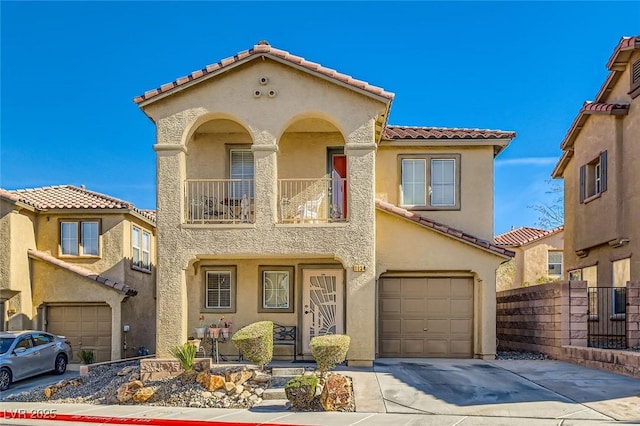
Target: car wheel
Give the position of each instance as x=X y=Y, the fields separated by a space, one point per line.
x=61 y=364
x=5 y=379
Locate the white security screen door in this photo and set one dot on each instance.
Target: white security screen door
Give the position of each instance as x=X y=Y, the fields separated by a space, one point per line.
x=322 y=304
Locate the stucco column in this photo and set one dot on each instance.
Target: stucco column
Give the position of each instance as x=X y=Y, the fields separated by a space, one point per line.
x=116 y=328
x=265 y=184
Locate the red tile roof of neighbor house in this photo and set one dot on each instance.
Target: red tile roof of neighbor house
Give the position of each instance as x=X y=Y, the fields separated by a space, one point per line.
x=263 y=49
x=71 y=197
x=83 y=272
x=410 y=132
x=616 y=65
x=524 y=235
x=443 y=229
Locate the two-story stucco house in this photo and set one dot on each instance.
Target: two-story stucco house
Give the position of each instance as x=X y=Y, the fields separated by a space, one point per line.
x=538 y=257
x=600 y=166
x=284 y=195
x=81 y=264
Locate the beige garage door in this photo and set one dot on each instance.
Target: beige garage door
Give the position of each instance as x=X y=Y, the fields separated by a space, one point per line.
x=86 y=326
x=425 y=317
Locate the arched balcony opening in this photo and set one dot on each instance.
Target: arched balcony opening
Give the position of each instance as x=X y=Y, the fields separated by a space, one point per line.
x=312 y=172
x=219 y=185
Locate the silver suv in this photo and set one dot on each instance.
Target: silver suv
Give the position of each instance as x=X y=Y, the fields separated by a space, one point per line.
x=28 y=353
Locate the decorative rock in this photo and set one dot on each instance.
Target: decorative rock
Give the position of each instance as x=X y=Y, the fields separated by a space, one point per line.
x=195 y=404
x=49 y=391
x=126 y=391
x=219 y=394
x=253 y=398
x=239 y=377
x=206 y=394
x=125 y=371
x=259 y=391
x=134 y=376
x=229 y=386
x=245 y=394
x=200 y=377
x=211 y=382
x=336 y=392
x=143 y=394
x=239 y=389
x=260 y=377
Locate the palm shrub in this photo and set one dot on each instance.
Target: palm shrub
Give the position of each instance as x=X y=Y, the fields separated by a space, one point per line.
x=186 y=354
x=255 y=341
x=329 y=350
x=86 y=356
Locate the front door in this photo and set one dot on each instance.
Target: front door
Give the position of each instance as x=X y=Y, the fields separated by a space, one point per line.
x=322 y=304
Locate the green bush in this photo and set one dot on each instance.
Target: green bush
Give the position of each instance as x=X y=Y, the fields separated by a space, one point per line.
x=186 y=354
x=86 y=356
x=255 y=341
x=301 y=391
x=329 y=350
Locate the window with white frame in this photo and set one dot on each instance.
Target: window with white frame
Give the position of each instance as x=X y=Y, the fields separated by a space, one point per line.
x=219 y=289
x=430 y=182
x=276 y=284
x=554 y=260
x=241 y=167
x=79 y=237
x=140 y=248
x=593 y=177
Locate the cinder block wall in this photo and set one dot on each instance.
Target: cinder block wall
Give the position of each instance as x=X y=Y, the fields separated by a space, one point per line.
x=633 y=314
x=543 y=318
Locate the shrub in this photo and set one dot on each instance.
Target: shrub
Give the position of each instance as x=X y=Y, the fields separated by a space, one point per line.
x=329 y=350
x=255 y=341
x=301 y=391
x=86 y=356
x=186 y=354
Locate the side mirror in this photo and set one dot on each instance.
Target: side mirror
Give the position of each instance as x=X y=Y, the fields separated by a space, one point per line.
x=18 y=351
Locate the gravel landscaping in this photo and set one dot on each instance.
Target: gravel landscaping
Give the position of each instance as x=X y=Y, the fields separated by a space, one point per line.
x=521 y=355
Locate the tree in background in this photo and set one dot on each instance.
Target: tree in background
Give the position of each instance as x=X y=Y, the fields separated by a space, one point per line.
x=551 y=212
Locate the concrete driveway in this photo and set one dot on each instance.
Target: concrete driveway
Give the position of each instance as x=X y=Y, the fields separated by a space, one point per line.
x=44 y=379
x=525 y=389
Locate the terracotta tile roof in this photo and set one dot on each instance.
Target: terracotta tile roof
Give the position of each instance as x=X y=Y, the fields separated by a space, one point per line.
x=600 y=108
x=260 y=50
x=443 y=229
x=70 y=197
x=83 y=272
x=409 y=132
x=524 y=235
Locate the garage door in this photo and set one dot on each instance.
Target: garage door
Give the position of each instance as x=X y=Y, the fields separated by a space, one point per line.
x=425 y=317
x=86 y=326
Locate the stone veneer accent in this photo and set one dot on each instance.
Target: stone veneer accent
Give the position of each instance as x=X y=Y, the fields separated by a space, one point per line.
x=160 y=368
x=633 y=313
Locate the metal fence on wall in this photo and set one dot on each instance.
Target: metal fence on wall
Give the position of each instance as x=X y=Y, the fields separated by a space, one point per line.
x=607 y=317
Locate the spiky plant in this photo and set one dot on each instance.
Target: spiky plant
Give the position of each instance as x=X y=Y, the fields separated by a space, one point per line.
x=186 y=354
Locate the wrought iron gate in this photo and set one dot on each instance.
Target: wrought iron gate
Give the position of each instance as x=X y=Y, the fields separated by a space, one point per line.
x=607 y=317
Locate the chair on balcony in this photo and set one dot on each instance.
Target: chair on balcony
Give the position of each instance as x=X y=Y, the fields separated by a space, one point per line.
x=310 y=211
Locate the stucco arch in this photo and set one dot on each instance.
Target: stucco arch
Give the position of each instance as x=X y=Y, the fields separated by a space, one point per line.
x=310 y=115
x=192 y=127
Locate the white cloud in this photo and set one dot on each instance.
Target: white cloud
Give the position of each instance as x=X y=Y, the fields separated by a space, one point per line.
x=528 y=161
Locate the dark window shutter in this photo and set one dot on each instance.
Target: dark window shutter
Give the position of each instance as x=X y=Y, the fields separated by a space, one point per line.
x=583 y=174
x=603 y=171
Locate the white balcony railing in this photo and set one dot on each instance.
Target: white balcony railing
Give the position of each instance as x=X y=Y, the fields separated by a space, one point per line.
x=312 y=200
x=219 y=201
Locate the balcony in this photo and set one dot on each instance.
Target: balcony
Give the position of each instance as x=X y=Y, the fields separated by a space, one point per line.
x=321 y=200
x=219 y=201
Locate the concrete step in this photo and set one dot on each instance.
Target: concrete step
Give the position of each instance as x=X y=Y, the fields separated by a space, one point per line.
x=271 y=406
x=287 y=371
x=272 y=394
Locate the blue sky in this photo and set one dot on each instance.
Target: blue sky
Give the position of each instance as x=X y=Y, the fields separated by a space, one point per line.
x=69 y=72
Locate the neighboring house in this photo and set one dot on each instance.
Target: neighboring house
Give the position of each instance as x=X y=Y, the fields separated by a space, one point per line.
x=81 y=264
x=538 y=257
x=599 y=165
x=284 y=195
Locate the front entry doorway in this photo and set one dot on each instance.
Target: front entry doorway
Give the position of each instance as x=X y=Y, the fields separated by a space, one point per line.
x=322 y=304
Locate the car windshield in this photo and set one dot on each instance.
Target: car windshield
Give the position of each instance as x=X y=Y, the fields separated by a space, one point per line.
x=5 y=343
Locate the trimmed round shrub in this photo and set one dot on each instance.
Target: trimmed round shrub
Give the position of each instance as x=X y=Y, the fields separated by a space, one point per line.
x=255 y=341
x=301 y=391
x=329 y=350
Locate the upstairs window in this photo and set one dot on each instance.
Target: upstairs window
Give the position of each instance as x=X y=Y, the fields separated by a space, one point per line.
x=593 y=178
x=141 y=248
x=635 y=80
x=555 y=263
x=79 y=238
x=430 y=182
x=241 y=167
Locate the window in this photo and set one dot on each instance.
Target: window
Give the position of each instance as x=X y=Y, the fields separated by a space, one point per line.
x=219 y=289
x=555 y=263
x=575 y=275
x=42 y=339
x=241 y=167
x=593 y=178
x=590 y=275
x=621 y=275
x=25 y=342
x=635 y=80
x=79 y=238
x=276 y=289
x=141 y=248
x=430 y=182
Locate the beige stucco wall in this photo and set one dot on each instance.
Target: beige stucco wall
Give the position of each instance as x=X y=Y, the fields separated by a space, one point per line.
x=535 y=265
x=17 y=231
x=401 y=245
x=475 y=215
x=299 y=96
x=612 y=216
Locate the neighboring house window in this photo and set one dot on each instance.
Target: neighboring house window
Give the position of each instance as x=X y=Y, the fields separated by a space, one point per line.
x=635 y=80
x=431 y=182
x=219 y=289
x=590 y=275
x=241 y=167
x=593 y=177
x=276 y=289
x=141 y=248
x=621 y=275
x=79 y=238
x=555 y=263
x=575 y=275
